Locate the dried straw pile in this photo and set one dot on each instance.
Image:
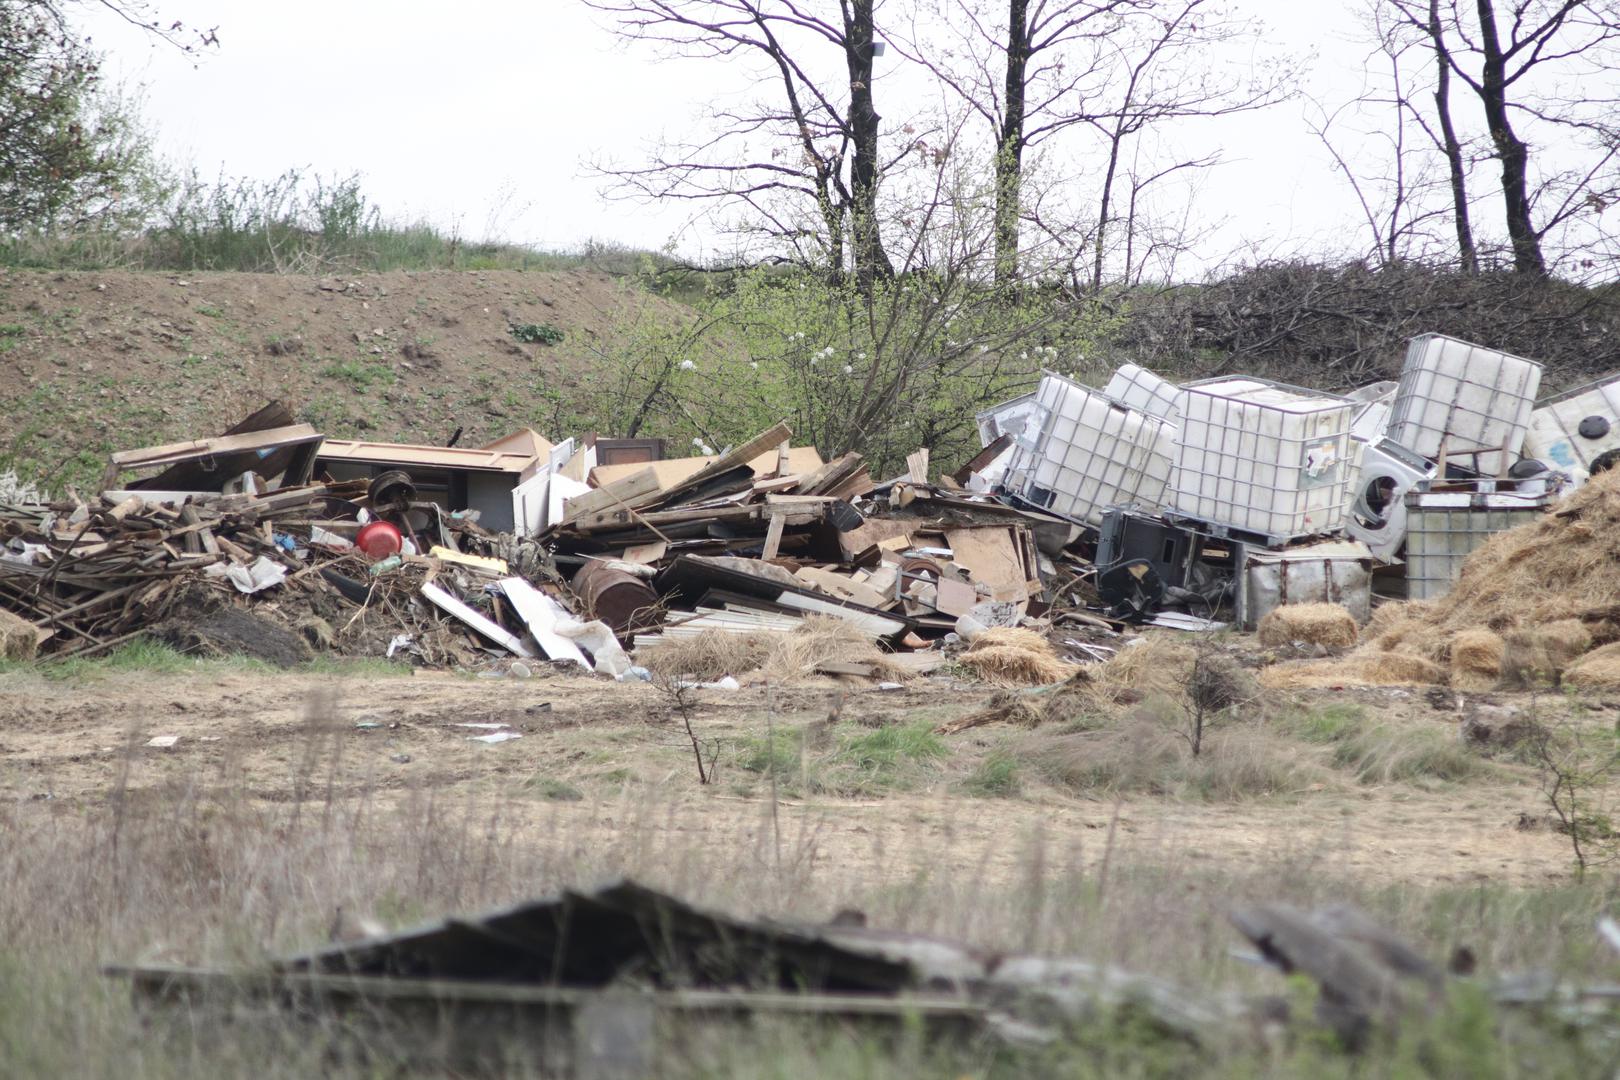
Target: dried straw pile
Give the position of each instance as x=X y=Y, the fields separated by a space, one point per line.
x=774 y=657
x=1013 y=656
x=1530 y=599
x=1314 y=624
x=1597 y=670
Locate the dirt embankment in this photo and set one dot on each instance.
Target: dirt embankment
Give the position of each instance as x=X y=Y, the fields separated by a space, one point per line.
x=95 y=361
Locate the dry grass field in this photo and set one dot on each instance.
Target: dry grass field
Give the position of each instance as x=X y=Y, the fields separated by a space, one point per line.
x=293 y=803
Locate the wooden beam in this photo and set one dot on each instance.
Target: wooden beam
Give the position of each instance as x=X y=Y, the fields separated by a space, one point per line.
x=773 y=536
x=629 y=493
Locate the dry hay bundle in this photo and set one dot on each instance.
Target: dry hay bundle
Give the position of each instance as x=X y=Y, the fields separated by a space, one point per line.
x=1360 y=668
x=1476 y=659
x=1528 y=599
x=1155 y=666
x=714 y=654
x=1013 y=656
x=1007 y=707
x=1537 y=654
x=1597 y=670
x=18 y=641
x=1329 y=625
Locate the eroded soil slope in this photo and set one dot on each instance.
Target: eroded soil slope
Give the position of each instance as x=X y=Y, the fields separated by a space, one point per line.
x=95 y=361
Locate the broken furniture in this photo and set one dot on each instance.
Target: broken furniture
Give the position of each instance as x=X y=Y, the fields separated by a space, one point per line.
x=486 y=479
x=268 y=445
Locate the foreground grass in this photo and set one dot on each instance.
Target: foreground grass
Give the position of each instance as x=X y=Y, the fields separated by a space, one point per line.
x=153 y=657
x=208 y=876
x=212 y=867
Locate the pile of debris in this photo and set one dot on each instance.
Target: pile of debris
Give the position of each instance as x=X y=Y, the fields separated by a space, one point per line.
x=1193 y=506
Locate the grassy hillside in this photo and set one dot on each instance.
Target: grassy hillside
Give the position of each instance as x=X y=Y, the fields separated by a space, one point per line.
x=94 y=361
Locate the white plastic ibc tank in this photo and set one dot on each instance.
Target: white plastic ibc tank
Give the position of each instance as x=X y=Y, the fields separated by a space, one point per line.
x=1276 y=461
x=1140 y=389
x=1092 y=453
x=1570 y=432
x=1472 y=401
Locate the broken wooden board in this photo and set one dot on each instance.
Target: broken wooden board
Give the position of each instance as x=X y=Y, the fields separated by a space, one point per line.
x=636 y=490
x=802 y=461
x=479 y=622
x=764 y=443
x=994 y=556
x=540 y=613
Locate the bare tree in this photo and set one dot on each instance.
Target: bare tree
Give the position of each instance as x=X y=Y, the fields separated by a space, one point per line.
x=1551 y=66
x=1392 y=166
x=1167 y=77
x=805 y=161
x=1450 y=145
x=1028 y=68
x=1034 y=70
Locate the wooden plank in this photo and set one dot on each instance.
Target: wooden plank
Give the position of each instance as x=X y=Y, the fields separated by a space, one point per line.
x=773 y=537
x=802 y=460
x=742 y=455
x=830 y=473
x=917 y=466
x=227 y=444
x=991 y=555
x=476 y=620
x=633 y=491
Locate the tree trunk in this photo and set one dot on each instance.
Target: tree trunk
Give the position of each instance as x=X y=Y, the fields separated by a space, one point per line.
x=866 y=240
x=1010 y=150
x=1103 y=218
x=1515 y=156
x=1467 y=254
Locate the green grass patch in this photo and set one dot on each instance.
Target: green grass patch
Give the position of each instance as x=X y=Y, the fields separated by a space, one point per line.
x=552 y=789
x=361 y=375
x=780 y=751
x=1378 y=751
x=356 y=667
x=996 y=777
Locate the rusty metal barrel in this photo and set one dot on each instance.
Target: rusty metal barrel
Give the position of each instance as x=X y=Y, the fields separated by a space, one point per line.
x=623 y=601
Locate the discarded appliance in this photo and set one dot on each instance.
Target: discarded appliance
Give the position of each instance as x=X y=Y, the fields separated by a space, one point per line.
x=457 y=478
x=1578 y=432
x=1373 y=404
x=1378 y=511
x=1466 y=403
x=1144 y=562
x=1325 y=572
x=1092 y=454
x=1003 y=429
x=1263 y=462
x=1444 y=526
x=1140 y=389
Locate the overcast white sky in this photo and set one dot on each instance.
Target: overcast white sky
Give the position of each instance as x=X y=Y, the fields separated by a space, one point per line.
x=482 y=114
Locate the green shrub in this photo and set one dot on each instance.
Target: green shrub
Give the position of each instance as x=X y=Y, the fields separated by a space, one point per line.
x=541 y=333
